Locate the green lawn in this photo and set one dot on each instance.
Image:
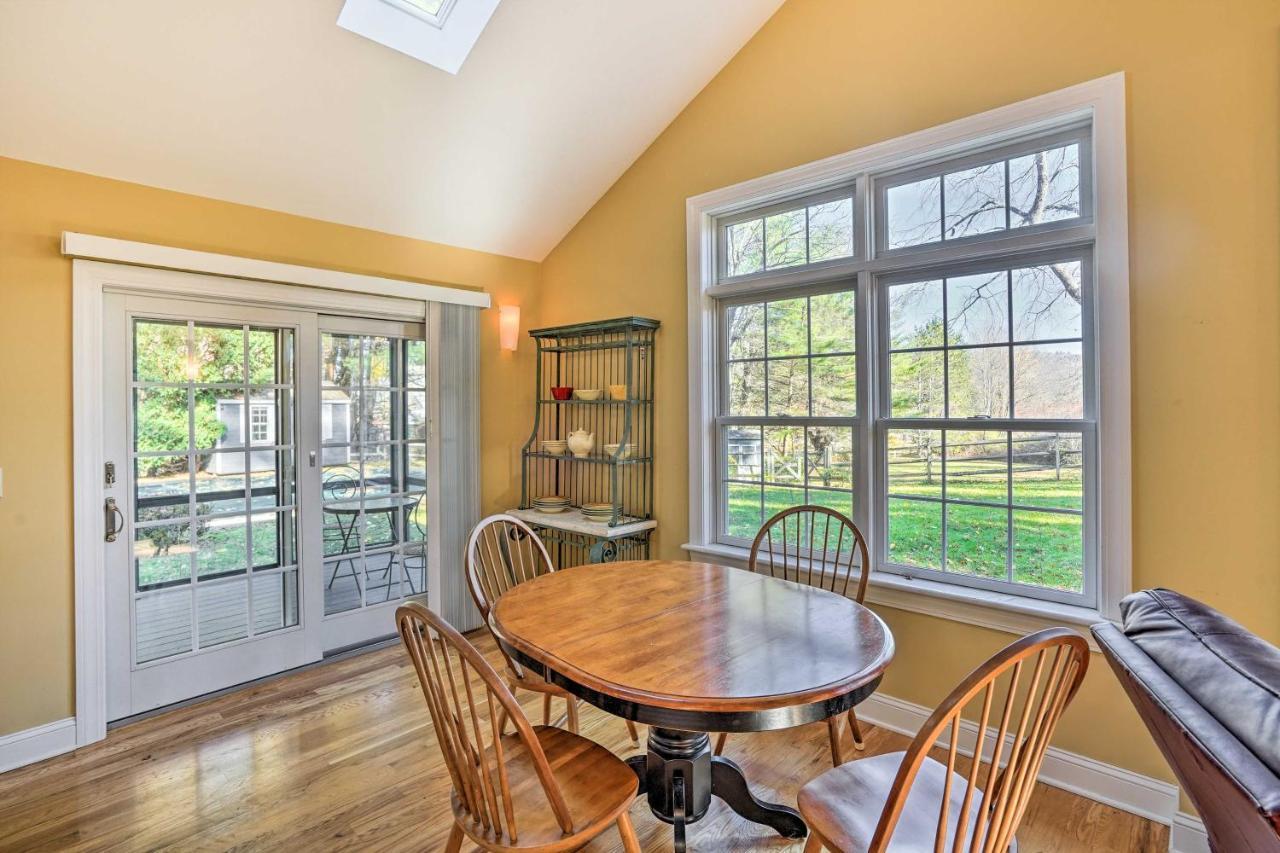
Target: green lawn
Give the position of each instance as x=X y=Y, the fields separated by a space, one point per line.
x=1047 y=546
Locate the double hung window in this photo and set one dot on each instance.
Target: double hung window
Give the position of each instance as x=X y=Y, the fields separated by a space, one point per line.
x=915 y=348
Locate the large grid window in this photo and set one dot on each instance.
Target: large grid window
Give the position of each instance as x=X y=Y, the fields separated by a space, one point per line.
x=976 y=412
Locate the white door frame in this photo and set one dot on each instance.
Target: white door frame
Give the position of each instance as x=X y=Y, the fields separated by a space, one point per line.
x=132 y=687
x=257 y=282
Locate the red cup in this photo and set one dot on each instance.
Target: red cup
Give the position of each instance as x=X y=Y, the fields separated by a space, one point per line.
x=562 y=392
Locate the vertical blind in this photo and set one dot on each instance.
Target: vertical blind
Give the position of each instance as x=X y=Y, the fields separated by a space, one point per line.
x=459 y=471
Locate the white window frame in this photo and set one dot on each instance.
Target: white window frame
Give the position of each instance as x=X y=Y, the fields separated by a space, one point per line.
x=443 y=40
x=267 y=423
x=1100 y=103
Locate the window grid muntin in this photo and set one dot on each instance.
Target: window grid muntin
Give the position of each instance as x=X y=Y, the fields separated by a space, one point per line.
x=804 y=423
x=399 y=464
x=946 y=428
x=1079 y=133
x=285 y=352
x=1010 y=345
x=989 y=261
x=848 y=190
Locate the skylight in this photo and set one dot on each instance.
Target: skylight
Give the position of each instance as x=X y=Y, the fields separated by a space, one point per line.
x=438 y=32
x=435 y=11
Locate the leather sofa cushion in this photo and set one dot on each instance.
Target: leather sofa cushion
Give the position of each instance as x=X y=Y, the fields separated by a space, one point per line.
x=1232 y=673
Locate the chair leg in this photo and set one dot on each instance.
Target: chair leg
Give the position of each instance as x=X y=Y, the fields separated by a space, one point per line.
x=856 y=730
x=833 y=729
x=813 y=844
x=630 y=844
x=546 y=709
x=631 y=730
x=571 y=708
x=502 y=721
x=720 y=739
x=455 y=840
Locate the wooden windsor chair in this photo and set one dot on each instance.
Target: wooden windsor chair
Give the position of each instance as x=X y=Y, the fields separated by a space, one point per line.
x=909 y=801
x=822 y=548
x=503 y=552
x=540 y=789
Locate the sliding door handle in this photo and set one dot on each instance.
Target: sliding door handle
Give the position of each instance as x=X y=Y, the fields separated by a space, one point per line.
x=113 y=514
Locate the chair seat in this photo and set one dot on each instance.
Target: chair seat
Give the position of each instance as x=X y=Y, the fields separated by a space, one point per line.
x=596 y=784
x=844 y=804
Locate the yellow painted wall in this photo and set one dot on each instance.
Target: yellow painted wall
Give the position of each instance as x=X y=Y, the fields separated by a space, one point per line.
x=827 y=76
x=37 y=204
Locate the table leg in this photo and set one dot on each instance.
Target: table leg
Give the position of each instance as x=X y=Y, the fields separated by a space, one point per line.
x=347 y=530
x=728 y=783
x=679 y=775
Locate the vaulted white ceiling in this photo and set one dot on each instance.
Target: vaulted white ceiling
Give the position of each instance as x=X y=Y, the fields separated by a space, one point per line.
x=269 y=103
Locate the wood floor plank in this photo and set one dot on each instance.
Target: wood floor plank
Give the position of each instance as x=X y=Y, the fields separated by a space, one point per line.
x=342 y=757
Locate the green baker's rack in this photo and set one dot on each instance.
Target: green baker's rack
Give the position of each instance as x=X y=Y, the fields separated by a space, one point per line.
x=593 y=357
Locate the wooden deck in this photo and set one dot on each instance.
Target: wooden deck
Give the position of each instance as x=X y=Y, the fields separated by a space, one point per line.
x=164 y=620
x=342 y=756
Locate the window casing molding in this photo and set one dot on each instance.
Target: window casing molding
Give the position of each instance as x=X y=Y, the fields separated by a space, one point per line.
x=1097 y=105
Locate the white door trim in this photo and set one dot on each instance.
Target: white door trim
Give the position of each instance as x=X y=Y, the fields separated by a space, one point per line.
x=89 y=281
x=92 y=247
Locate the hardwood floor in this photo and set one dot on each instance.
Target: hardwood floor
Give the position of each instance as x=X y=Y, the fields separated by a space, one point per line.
x=342 y=756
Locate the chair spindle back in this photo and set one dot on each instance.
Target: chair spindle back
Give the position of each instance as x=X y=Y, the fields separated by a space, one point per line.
x=816 y=546
x=1061 y=658
x=502 y=552
x=466 y=698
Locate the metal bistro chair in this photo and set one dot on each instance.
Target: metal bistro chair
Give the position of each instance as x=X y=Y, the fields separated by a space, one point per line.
x=822 y=548
x=341 y=484
x=415 y=547
x=540 y=789
x=503 y=552
x=907 y=801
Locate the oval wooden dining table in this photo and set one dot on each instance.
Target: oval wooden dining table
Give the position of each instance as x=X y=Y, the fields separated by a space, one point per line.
x=690 y=648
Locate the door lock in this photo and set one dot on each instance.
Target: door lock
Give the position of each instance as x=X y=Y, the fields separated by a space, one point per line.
x=112 y=514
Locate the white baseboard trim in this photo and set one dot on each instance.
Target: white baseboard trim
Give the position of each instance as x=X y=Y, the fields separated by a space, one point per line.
x=1113 y=786
x=1187 y=834
x=32 y=745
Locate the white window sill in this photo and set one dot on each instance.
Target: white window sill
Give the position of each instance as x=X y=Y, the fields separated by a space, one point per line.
x=1012 y=614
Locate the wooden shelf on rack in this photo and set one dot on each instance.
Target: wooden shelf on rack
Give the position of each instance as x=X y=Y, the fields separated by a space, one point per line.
x=573 y=521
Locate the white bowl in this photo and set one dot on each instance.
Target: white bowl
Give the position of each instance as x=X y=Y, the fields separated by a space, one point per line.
x=587 y=394
x=612 y=450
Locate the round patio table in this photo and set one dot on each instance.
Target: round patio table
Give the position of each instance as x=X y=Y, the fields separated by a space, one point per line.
x=351 y=509
x=690 y=648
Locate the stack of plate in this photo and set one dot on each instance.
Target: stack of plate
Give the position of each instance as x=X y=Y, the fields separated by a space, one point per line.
x=551 y=503
x=597 y=512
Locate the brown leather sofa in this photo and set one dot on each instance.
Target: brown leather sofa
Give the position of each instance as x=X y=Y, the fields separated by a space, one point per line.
x=1209 y=691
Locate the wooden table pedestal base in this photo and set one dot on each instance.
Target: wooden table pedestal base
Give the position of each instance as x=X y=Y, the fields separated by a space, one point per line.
x=680 y=776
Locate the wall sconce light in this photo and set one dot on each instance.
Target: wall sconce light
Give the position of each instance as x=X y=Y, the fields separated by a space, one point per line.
x=508 y=326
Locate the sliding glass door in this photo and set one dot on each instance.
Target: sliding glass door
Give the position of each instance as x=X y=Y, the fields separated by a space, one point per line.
x=268 y=478
x=373 y=395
